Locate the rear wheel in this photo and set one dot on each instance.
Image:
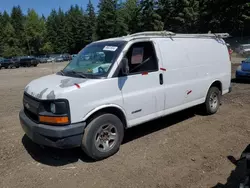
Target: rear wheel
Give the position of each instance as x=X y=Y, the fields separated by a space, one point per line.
x=103 y=136
x=213 y=101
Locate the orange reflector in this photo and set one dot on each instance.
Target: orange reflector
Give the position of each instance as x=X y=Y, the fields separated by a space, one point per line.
x=54 y=120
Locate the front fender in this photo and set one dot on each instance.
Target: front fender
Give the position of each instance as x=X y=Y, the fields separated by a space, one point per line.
x=103 y=107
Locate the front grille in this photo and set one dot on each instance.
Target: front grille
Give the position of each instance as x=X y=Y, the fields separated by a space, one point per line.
x=31 y=107
x=32 y=116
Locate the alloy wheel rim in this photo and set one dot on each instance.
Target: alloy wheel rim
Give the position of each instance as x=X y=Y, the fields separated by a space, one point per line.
x=213 y=101
x=106 y=137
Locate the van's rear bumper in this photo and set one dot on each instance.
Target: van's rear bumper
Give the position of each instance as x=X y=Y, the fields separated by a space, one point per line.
x=68 y=136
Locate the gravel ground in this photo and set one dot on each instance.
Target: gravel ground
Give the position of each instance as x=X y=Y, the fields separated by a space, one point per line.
x=182 y=150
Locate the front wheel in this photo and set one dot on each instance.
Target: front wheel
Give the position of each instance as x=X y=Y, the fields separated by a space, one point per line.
x=213 y=101
x=103 y=136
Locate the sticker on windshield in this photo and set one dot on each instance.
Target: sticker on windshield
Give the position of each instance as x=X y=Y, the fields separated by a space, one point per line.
x=110 y=48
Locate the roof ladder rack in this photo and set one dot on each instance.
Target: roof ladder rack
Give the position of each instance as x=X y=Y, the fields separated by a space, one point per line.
x=216 y=35
x=153 y=33
x=169 y=34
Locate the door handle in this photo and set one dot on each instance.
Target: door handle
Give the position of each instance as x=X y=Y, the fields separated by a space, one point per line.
x=161 y=78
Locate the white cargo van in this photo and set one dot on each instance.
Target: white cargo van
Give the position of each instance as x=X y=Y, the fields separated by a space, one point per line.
x=118 y=83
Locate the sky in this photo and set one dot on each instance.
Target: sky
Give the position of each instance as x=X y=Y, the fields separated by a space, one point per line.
x=43 y=6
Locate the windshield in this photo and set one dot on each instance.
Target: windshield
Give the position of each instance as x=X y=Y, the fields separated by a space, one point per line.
x=247 y=60
x=95 y=59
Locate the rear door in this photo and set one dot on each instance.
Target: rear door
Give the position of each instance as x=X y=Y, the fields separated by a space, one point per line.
x=142 y=89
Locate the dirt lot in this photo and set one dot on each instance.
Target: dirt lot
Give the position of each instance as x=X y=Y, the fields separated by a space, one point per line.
x=182 y=150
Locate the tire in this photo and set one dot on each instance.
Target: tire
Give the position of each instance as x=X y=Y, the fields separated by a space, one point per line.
x=35 y=65
x=213 y=101
x=101 y=128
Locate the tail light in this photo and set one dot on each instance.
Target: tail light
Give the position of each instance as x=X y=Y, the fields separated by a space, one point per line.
x=230 y=51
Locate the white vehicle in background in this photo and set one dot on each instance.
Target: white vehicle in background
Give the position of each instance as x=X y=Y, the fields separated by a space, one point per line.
x=50 y=60
x=139 y=78
x=243 y=49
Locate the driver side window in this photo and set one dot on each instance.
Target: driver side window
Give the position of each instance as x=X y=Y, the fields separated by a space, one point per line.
x=142 y=58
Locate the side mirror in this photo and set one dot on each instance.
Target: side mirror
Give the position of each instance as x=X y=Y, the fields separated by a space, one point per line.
x=124 y=66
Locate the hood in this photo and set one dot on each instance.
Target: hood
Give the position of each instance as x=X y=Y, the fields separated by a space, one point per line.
x=53 y=86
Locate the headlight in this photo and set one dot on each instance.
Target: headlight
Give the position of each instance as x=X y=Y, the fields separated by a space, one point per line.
x=53 y=108
x=54 y=112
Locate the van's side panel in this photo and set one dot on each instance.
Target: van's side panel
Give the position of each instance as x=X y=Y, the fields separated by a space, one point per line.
x=192 y=65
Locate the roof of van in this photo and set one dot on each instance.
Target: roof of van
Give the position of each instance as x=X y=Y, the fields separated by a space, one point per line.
x=164 y=34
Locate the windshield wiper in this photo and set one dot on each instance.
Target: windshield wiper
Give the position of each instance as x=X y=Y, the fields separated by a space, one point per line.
x=80 y=74
x=61 y=72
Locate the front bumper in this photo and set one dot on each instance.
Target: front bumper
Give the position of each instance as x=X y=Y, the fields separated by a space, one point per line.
x=68 y=136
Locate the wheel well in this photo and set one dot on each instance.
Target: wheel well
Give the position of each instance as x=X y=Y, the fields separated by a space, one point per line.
x=217 y=84
x=109 y=110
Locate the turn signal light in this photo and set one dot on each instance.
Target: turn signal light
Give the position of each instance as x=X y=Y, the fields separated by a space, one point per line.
x=54 y=120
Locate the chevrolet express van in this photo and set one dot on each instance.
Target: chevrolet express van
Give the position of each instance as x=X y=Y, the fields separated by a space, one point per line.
x=118 y=83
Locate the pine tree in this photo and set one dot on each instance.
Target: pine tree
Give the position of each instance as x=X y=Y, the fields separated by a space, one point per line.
x=33 y=32
x=51 y=30
x=186 y=18
x=121 y=28
x=91 y=22
x=150 y=19
x=132 y=18
x=10 y=48
x=61 y=30
x=5 y=18
x=236 y=16
x=1 y=34
x=166 y=11
x=46 y=48
x=246 y=19
x=106 y=19
x=77 y=36
x=17 y=21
